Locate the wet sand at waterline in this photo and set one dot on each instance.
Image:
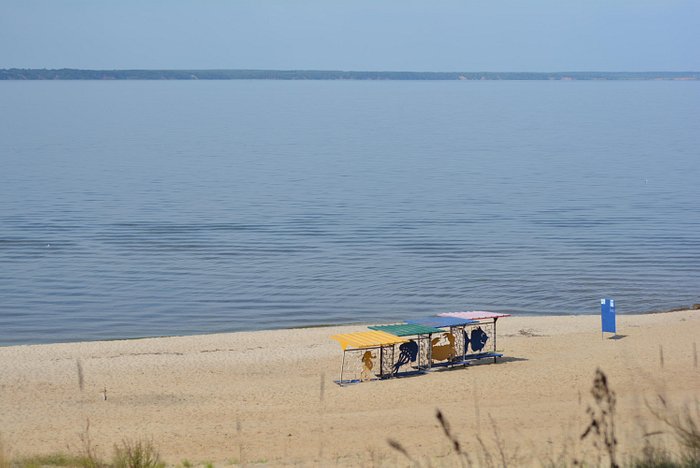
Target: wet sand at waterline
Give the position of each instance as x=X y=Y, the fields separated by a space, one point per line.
x=268 y=397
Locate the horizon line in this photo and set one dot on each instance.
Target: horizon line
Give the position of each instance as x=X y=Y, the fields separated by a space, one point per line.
x=30 y=74
x=347 y=70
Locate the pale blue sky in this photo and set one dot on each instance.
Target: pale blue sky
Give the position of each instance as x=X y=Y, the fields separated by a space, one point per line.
x=439 y=35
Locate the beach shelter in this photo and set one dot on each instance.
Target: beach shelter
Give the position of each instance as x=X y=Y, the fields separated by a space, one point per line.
x=416 y=348
x=448 y=348
x=480 y=332
x=362 y=351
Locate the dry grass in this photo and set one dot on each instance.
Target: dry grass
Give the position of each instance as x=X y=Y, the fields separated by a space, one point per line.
x=682 y=422
x=4 y=455
x=53 y=459
x=601 y=428
x=129 y=454
x=458 y=456
x=136 y=454
x=487 y=449
x=89 y=454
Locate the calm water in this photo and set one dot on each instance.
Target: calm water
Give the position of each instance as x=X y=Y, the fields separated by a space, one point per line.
x=133 y=209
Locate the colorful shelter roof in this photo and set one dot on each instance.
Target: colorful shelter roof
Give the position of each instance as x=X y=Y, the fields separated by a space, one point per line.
x=441 y=322
x=474 y=315
x=367 y=339
x=406 y=329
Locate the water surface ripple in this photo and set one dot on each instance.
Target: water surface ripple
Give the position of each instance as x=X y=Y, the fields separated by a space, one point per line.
x=132 y=209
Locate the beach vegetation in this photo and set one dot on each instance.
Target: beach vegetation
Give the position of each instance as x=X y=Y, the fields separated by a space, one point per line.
x=136 y=454
x=4 y=455
x=128 y=454
x=89 y=457
x=683 y=423
x=53 y=459
x=601 y=428
x=674 y=444
x=458 y=456
x=653 y=456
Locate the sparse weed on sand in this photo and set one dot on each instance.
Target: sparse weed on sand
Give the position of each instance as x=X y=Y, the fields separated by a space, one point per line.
x=136 y=454
x=129 y=454
x=53 y=459
x=601 y=428
x=460 y=457
x=682 y=422
x=89 y=456
x=679 y=445
x=4 y=455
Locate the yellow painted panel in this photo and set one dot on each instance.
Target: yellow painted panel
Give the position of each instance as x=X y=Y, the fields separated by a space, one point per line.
x=366 y=339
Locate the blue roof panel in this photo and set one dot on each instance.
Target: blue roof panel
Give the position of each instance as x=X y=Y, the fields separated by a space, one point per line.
x=442 y=322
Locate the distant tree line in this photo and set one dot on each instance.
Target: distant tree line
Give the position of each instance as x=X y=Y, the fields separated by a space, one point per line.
x=75 y=74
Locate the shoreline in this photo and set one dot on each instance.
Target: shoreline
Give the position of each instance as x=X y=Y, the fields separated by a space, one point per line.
x=268 y=397
x=332 y=325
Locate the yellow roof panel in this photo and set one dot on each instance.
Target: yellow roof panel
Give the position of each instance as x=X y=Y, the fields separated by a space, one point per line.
x=367 y=339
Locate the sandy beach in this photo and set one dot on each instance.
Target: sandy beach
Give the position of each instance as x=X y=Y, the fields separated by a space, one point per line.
x=269 y=398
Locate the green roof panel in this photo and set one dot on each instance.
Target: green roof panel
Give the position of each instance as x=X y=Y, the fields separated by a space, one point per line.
x=406 y=329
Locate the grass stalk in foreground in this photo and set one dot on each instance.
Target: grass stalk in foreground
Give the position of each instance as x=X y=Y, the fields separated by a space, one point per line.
x=683 y=422
x=602 y=426
x=4 y=456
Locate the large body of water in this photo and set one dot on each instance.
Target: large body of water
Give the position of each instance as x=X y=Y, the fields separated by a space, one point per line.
x=132 y=209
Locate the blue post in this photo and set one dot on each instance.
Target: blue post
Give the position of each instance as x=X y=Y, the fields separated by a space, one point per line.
x=607 y=315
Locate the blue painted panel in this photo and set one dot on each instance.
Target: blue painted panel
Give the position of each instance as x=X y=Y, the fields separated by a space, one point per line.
x=607 y=314
x=441 y=322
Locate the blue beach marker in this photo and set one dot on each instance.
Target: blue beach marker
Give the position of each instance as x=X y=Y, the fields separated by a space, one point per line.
x=607 y=315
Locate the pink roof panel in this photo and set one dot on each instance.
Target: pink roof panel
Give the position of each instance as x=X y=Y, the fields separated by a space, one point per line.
x=474 y=315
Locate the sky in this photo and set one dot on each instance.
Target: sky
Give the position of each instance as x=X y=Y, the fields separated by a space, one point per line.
x=425 y=35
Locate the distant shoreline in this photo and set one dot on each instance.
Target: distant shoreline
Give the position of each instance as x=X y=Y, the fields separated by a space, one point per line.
x=78 y=74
